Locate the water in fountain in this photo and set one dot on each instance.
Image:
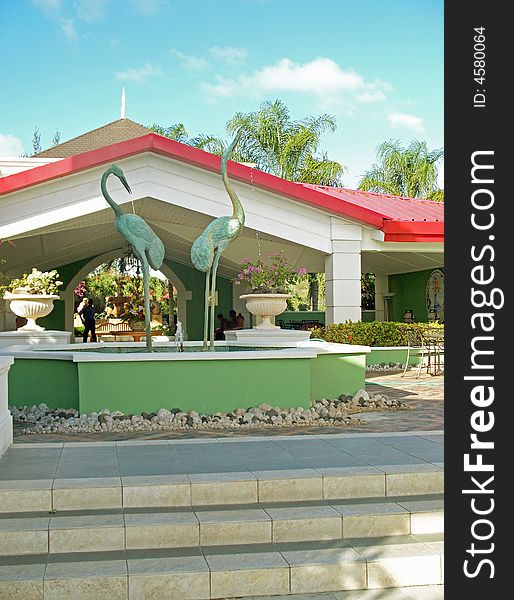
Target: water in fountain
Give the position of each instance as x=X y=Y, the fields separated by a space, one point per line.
x=179 y=337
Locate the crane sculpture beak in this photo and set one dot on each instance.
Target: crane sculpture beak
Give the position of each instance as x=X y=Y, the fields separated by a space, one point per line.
x=125 y=183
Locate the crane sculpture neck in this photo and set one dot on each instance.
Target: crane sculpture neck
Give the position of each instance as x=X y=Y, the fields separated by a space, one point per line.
x=238 y=212
x=103 y=186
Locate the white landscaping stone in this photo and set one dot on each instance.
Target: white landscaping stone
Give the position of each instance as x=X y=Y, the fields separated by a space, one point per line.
x=361 y=395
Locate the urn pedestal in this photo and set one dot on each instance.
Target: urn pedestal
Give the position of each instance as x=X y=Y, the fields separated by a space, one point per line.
x=31 y=307
x=266 y=306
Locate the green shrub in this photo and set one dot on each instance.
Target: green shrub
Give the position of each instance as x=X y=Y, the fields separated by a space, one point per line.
x=374 y=333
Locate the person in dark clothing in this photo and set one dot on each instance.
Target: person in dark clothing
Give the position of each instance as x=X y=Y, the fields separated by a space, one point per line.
x=223 y=326
x=87 y=314
x=232 y=319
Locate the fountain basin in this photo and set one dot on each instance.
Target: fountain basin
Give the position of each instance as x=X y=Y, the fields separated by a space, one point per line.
x=90 y=377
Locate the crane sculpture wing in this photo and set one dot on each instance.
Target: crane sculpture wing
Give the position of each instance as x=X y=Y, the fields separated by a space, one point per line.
x=133 y=226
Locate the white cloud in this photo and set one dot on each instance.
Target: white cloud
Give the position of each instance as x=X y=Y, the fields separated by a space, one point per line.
x=408 y=121
x=47 y=5
x=91 y=10
x=321 y=77
x=193 y=63
x=69 y=29
x=318 y=76
x=10 y=145
x=147 y=7
x=376 y=96
x=228 y=54
x=139 y=74
x=224 y=88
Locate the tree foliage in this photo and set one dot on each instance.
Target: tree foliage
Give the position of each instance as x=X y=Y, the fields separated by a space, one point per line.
x=368 y=291
x=106 y=280
x=274 y=142
x=410 y=171
x=286 y=148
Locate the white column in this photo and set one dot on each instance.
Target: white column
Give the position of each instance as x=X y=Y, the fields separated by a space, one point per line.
x=5 y=415
x=381 y=288
x=343 y=273
x=7 y=317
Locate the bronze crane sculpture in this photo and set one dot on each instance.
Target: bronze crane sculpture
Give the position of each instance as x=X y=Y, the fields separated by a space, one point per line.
x=215 y=238
x=145 y=243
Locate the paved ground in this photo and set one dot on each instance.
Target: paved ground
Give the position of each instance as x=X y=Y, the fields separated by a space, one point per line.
x=425 y=394
x=385 y=452
x=425 y=592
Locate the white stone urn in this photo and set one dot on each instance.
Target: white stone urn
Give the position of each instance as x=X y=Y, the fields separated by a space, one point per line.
x=31 y=307
x=266 y=306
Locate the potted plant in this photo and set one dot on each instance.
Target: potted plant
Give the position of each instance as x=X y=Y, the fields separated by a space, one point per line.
x=134 y=315
x=270 y=285
x=32 y=296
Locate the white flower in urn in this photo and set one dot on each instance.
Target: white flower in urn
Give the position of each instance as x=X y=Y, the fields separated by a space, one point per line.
x=37 y=282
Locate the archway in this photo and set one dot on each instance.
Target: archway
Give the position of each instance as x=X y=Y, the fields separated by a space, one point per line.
x=68 y=294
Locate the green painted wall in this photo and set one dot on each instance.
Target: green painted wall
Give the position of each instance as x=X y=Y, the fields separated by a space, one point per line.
x=335 y=374
x=409 y=292
x=54 y=382
x=368 y=316
x=206 y=386
x=378 y=357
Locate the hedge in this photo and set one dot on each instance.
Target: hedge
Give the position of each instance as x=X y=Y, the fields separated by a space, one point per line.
x=374 y=333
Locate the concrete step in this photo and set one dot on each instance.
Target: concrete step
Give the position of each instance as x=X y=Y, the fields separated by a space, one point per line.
x=260 y=523
x=227 y=571
x=247 y=487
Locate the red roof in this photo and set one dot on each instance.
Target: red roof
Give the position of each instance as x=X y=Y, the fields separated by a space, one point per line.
x=396 y=208
x=401 y=219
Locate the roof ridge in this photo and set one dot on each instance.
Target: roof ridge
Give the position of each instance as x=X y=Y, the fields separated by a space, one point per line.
x=88 y=133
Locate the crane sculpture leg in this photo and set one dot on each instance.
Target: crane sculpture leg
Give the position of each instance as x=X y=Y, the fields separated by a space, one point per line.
x=146 y=284
x=145 y=267
x=206 y=310
x=213 y=294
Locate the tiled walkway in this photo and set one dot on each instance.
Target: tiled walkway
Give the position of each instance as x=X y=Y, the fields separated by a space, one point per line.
x=221 y=455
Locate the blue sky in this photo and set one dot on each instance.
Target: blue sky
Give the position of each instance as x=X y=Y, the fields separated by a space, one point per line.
x=376 y=65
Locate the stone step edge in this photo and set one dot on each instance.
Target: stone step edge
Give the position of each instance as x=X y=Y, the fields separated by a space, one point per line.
x=221 y=488
x=214 y=507
x=33 y=535
x=373 y=565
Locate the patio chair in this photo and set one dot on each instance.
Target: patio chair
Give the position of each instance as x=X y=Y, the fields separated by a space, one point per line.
x=415 y=341
x=435 y=345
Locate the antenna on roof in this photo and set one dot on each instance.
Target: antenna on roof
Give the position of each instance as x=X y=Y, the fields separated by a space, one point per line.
x=123 y=112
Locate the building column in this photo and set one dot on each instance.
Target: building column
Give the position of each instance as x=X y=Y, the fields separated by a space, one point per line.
x=381 y=288
x=343 y=274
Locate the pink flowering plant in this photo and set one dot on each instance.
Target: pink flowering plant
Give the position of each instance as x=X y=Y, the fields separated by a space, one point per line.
x=275 y=277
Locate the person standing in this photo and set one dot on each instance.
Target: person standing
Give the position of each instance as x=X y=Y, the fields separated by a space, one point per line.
x=87 y=314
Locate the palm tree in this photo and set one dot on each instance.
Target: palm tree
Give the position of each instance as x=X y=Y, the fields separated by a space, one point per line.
x=273 y=142
x=410 y=171
x=176 y=132
x=204 y=141
x=286 y=148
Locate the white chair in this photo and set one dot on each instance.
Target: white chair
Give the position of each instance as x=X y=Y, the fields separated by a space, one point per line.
x=416 y=342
